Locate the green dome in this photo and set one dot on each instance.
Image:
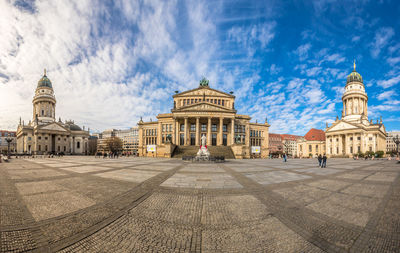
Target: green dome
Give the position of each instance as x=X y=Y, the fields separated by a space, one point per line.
x=354 y=77
x=44 y=81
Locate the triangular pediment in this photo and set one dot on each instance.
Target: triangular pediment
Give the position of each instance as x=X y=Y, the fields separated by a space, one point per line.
x=53 y=127
x=207 y=91
x=205 y=107
x=341 y=126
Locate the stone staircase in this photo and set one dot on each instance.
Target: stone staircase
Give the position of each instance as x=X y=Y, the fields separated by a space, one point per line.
x=225 y=151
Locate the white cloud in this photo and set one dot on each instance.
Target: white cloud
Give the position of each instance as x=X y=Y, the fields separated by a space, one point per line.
x=249 y=37
x=389 y=82
x=382 y=37
x=386 y=95
x=302 y=51
x=355 y=39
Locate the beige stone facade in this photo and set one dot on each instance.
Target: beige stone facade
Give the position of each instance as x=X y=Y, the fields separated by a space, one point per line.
x=44 y=134
x=354 y=133
x=198 y=112
x=312 y=144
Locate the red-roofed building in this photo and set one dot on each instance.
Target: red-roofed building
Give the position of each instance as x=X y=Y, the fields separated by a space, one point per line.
x=312 y=144
x=275 y=143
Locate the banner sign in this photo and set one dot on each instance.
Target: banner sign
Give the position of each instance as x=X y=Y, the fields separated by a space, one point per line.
x=151 y=148
x=255 y=149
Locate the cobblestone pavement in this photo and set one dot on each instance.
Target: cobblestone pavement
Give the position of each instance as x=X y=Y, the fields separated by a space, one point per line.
x=86 y=204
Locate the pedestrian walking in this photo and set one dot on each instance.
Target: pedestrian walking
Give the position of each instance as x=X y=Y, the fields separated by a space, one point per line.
x=320 y=160
x=284 y=157
x=324 y=161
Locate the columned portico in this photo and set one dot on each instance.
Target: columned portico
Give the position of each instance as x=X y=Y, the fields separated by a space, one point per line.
x=203 y=111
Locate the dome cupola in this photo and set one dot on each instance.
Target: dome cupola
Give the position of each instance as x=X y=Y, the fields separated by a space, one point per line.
x=44 y=81
x=354 y=76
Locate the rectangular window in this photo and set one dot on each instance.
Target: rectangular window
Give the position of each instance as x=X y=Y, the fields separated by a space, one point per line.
x=184 y=102
x=214 y=127
x=208 y=100
x=192 y=127
x=195 y=100
x=191 y=101
x=40 y=148
x=65 y=148
x=223 y=102
x=351 y=150
x=29 y=138
x=309 y=148
x=351 y=138
x=316 y=148
x=182 y=127
x=225 y=128
x=370 y=138
x=39 y=137
x=163 y=127
x=219 y=101
x=203 y=127
x=358 y=138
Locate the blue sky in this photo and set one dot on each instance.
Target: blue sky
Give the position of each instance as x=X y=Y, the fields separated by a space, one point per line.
x=113 y=62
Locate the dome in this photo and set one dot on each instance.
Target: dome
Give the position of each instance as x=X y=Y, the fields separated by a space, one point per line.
x=354 y=77
x=72 y=126
x=44 y=81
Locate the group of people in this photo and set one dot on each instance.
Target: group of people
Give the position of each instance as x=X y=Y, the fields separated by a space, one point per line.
x=322 y=161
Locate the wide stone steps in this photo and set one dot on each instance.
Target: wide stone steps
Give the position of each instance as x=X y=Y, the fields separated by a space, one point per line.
x=225 y=151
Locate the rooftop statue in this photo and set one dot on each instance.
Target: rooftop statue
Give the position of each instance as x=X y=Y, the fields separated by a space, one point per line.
x=204 y=82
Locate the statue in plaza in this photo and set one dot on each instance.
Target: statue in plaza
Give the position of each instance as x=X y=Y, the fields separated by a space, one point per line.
x=203 y=152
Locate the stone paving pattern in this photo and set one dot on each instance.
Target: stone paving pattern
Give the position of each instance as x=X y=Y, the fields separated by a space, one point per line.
x=86 y=204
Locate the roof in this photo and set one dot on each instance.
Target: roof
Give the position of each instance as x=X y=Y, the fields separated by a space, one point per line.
x=290 y=137
x=315 y=135
x=44 y=81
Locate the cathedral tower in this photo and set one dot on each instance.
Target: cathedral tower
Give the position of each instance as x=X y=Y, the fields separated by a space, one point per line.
x=44 y=101
x=355 y=99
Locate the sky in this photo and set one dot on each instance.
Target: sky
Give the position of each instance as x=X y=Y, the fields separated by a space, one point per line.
x=112 y=62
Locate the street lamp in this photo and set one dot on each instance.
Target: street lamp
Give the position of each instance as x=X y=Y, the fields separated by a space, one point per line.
x=396 y=139
x=8 y=140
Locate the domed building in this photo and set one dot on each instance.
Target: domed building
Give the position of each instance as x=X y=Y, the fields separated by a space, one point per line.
x=43 y=134
x=354 y=133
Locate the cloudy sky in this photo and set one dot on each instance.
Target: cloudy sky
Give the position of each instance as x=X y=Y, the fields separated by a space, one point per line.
x=111 y=62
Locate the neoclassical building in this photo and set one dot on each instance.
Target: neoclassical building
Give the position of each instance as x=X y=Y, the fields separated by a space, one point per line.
x=203 y=111
x=354 y=133
x=43 y=134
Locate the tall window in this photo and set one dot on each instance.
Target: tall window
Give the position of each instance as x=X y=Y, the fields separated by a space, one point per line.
x=78 y=145
x=192 y=127
x=203 y=127
x=214 y=127
x=309 y=148
x=182 y=127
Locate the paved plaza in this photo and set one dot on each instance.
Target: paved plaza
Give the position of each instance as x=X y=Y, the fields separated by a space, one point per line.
x=87 y=204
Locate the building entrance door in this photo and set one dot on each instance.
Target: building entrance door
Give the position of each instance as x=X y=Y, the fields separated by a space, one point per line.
x=224 y=140
x=53 y=142
x=192 y=139
x=214 y=139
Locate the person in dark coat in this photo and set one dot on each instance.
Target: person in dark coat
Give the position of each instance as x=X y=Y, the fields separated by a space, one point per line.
x=319 y=160
x=324 y=161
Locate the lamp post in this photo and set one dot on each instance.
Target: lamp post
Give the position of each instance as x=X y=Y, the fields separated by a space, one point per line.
x=396 y=139
x=9 y=140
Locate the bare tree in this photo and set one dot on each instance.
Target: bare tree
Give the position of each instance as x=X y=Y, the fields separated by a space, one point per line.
x=114 y=144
